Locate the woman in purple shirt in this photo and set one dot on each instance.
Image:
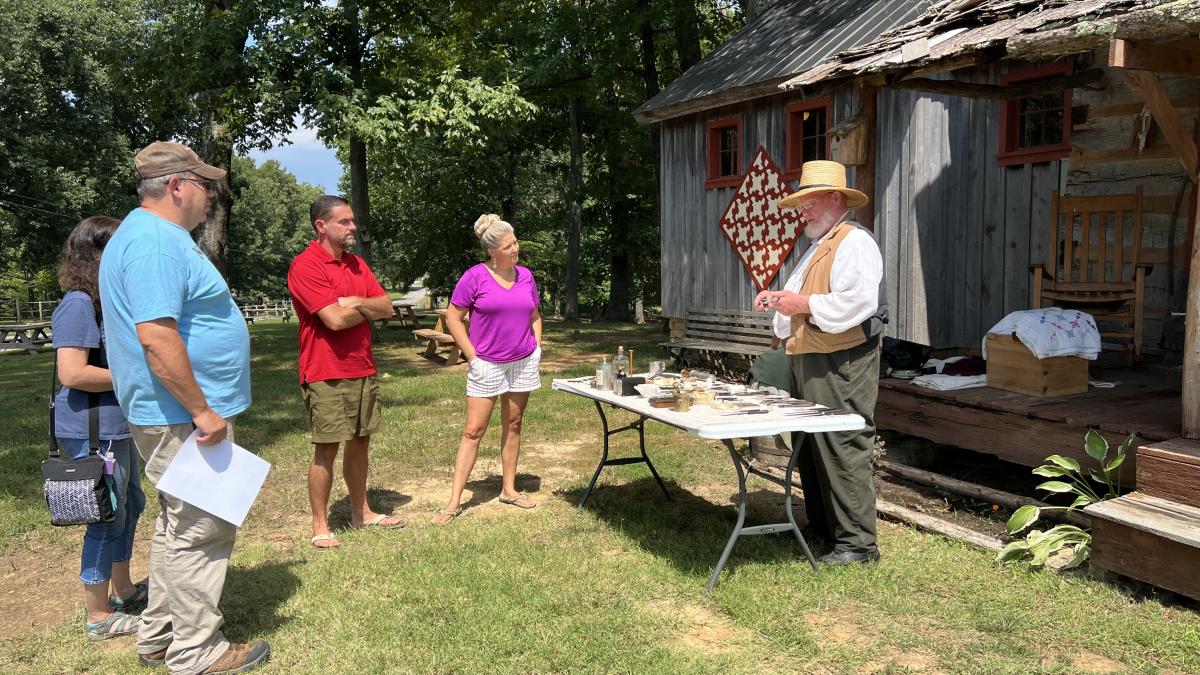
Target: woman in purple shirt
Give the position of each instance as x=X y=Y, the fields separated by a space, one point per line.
x=503 y=348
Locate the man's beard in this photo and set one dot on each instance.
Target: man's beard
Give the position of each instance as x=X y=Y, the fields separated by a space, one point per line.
x=815 y=231
x=347 y=241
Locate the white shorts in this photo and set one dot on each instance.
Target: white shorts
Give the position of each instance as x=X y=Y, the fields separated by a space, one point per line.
x=486 y=379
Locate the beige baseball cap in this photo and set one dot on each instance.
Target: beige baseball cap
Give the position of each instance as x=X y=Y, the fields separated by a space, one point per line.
x=162 y=158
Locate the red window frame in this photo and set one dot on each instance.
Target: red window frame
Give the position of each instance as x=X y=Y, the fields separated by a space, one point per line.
x=793 y=134
x=714 y=178
x=1009 y=154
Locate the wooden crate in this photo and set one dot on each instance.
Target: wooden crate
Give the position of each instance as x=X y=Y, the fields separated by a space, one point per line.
x=1170 y=470
x=1012 y=367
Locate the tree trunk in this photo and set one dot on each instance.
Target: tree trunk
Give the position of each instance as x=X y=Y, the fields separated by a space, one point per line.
x=686 y=26
x=508 y=204
x=217 y=150
x=574 y=215
x=620 y=279
x=360 y=200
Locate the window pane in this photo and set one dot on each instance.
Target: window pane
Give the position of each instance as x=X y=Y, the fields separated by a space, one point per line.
x=1054 y=127
x=729 y=138
x=1040 y=120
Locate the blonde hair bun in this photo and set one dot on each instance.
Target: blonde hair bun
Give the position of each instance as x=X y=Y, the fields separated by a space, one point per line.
x=485 y=223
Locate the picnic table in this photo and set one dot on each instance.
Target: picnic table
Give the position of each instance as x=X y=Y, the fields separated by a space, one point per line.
x=708 y=423
x=405 y=313
x=27 y=336
x=438 y=337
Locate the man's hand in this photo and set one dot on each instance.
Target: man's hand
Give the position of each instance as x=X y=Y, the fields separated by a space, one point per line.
x=762 y=301
x=212 y=427
x=788 y=303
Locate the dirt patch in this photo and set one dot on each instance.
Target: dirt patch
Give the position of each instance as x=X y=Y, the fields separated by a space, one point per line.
x=917 y=661
x=1088 y=662
x=700 y=629
x=837 y=626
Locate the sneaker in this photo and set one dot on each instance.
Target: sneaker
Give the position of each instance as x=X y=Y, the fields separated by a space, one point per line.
x=240 y=657
x=115 y=625
x=153 y=659
x=850 y=558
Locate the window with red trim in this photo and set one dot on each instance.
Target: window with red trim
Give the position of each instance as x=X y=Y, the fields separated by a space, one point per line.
x=1035 y=128
x=807 y=134
x=724 y=153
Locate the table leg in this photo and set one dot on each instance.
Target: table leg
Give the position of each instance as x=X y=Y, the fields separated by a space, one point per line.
x=640 y=426
x=743 y=469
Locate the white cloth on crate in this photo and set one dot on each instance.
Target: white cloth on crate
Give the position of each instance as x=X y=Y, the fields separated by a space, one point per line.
x=948 y=382
x=1052 y=331
x=853 y=286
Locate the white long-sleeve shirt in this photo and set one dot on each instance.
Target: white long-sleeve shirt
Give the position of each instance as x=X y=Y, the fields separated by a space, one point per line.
x=853 y=285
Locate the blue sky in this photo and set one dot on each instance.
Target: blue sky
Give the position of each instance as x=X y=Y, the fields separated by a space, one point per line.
x=307 y=158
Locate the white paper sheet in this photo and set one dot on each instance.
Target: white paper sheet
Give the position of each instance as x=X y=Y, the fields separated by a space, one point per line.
x=222 y=479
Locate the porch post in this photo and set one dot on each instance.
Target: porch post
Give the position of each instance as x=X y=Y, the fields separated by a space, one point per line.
x=1191 y=341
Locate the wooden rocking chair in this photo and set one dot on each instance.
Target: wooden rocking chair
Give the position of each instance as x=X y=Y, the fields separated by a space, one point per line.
x=1094 y=264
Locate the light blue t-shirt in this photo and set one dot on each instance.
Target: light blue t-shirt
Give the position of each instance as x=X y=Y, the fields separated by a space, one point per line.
x=151 y=269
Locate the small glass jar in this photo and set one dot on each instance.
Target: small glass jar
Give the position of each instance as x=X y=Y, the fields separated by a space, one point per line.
x=683 y=401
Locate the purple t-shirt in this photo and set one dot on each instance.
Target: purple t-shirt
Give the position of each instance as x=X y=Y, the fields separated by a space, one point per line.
x=501 y=328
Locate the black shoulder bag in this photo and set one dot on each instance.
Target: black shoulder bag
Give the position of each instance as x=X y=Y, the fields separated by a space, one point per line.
x=78 y=491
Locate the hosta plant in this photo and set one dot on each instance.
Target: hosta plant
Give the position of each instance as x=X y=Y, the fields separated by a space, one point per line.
x=1067 y=476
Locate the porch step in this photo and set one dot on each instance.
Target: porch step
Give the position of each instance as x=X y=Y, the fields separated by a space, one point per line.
x=1148 y=538
x=1171 y=470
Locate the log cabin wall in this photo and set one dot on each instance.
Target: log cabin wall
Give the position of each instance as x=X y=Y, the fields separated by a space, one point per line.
x=699 y=267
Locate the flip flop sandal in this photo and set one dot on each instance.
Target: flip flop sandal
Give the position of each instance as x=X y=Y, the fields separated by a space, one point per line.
x=445 y=517
x=378 y=521
x=134 y=603
x=115 y=625
x=318 y=539
x=521 y=500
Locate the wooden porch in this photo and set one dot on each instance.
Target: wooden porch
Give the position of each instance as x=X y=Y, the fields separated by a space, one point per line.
x=1024 y=429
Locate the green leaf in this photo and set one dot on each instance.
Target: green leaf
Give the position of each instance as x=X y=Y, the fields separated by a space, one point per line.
x=1082 y=553
x=1098 y=477
x=1095 y=445
x=1050 y=471
x=1064 y=462
x=1013 y=551
x=1115 y=463
x=1080 y=502
x=1023 y=518
x=1056 y=486
x=1127 y=443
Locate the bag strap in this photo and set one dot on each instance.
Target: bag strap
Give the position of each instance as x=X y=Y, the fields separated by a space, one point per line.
x=53 y=379
x=93 y=423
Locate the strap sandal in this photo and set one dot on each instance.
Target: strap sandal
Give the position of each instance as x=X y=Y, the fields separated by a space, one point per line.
x=324 y=541
x=115 y=625
x=381 y=522
x=135 y=603
x=445 y=517
x=520 y=500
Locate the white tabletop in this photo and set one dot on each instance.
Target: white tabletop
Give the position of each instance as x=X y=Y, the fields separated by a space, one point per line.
x=705 y=422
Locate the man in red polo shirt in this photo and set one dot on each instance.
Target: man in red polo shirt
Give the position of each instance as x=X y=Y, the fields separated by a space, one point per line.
x=336 y=296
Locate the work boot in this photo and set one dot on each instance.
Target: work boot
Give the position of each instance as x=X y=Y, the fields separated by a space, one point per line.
x=153 y=659
x=850 y=557
x=240 y=657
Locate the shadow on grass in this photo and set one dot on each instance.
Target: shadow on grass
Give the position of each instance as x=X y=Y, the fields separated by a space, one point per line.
x=484 y=490
x=253 y=596
x=690 y=531
x=381 y=500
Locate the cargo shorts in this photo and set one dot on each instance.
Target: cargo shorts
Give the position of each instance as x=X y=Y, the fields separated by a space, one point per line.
x=339 y=410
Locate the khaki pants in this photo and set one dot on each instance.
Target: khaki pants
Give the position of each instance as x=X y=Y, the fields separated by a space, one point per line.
x=189 y=555
x=835 y=467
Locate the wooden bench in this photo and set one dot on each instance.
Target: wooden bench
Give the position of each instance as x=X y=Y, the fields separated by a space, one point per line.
x=27 y=336
x=716 y=332
x=252 y=312
x=405 y=313
x=437 y=337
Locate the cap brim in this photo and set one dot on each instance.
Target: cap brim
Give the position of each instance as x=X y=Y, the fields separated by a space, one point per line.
x=209 y=172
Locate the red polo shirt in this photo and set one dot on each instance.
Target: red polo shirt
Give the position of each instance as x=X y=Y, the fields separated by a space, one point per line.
x=316 y=280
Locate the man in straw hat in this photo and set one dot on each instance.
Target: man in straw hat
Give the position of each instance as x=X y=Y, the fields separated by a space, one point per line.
x=831 y=313
x=179 y=355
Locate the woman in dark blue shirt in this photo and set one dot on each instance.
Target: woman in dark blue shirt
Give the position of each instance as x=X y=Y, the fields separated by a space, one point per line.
x=83 y=370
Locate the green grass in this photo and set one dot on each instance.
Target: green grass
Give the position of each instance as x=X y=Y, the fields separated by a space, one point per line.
x=615 y=587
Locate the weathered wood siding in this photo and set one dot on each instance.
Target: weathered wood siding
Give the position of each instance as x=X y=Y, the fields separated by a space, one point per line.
x=957 y=230
x=699 y=267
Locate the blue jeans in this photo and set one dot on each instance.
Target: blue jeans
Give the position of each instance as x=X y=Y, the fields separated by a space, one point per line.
x=107 y=543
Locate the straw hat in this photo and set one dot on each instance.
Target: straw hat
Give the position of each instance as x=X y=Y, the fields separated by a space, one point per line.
x=822 y=175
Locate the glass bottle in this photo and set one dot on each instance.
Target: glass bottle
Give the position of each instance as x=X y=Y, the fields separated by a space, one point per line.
x=602 y=370
x=620 y=364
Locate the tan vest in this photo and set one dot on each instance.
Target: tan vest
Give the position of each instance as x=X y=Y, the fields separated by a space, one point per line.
x=806 y=337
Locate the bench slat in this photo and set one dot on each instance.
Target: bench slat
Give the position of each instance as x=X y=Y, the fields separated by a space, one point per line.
x=431 y=334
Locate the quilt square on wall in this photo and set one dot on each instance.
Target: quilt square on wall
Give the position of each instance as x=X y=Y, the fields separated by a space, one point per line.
x=760 y=233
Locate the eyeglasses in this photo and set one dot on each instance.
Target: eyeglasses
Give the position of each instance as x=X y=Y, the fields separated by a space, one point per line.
x=209 y=186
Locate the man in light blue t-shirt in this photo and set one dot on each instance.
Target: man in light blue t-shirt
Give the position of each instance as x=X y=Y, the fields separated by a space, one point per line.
x=179 y=354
